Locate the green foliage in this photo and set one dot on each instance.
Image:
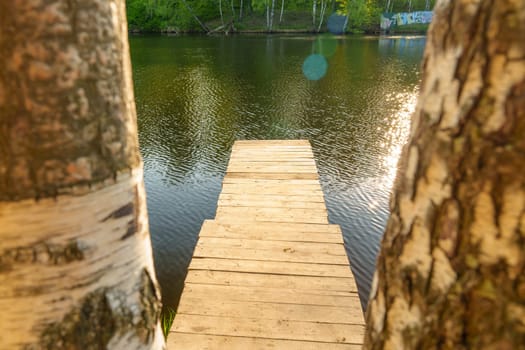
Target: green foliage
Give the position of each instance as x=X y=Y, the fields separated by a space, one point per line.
x=166 y=318
x=160 y=15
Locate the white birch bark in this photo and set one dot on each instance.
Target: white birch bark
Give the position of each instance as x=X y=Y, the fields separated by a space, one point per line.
x=76 y=267
x=324 y=4
x=314 y=12
x=450 y=271
x=240 y=10
x=282 y=12
x=220 y=11
x=60 y=254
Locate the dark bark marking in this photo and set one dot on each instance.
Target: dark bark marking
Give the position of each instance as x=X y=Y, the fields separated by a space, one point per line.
x=131 y=230
x=125 y=210
x=100 y=316
x=43 y=253
x=151 y=307
x=89 y=326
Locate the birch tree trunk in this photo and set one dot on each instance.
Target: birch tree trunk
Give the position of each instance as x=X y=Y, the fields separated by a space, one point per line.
x=233 y=10
x=282 y=12
x=267 y=15
x=324 y=4
x=220 y=11
x=240 y=10
x=76 y=268
x=314 y=11
x=272 y=15
x=451 y=271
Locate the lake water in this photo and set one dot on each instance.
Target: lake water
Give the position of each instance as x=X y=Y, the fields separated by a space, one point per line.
x=197 y=95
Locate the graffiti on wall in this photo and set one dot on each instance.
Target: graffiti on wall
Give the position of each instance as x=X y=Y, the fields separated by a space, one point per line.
x=389 y=20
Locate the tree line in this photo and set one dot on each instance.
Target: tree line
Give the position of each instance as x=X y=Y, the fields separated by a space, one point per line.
x=261 y=15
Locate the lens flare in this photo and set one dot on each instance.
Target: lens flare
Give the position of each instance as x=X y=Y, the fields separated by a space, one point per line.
x=315 y=67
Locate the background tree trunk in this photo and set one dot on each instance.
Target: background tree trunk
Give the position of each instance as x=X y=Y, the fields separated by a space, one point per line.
x=451 y=271
x=240 y=10
x=314 y=11
x=76 y=268
x=220 y=11
x=282 y=12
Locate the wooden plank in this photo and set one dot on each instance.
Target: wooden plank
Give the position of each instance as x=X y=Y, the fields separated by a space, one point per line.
x=272 y=281
x=276 y=232
x=272 y=142
x=269 y=203
x=273 y=329
x=270 y=267
x=273 y=189
x=241 y=214
x=266 y=228
x=291 y=255
x=273 y=162
x=310 y=198
x=270 y=311
x=277 y=176
x=186 y=341
x=289 y=247
x=270 y=181
x=276 y=212
x=282 y=168
x=271 y=148
x=344 y=299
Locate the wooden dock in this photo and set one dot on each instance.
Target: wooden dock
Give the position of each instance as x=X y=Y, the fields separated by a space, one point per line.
x=269 y=271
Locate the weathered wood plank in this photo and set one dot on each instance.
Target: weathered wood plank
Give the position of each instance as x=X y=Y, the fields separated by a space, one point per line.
x=272 y=281
x=288 y=247
x=269 y=267
x=290 y=254
x=277 y=176
x=270 y=311
x=212 y=225
x=274 y=232
x=292 y=168
x=187 y=341
x=240 y=214
x=273 y=142
x=273 y=329
x=269 y=203
x=343 y=299
x=271 y=182
x=265 y=189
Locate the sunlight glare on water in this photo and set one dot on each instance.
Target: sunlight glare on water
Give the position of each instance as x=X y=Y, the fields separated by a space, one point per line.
x=397 y=135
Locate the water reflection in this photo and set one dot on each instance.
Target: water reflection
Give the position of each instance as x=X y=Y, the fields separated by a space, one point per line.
x=196 y=95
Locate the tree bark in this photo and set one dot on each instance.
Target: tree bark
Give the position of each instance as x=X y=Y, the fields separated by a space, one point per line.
x=240 y=10
x=314 y=11
x=451 y=271
x=324 y=4
x=272 y=15
x=220 y=11
x=233 y=10
x=267 y=15
x=282 y=12
x=76 y=268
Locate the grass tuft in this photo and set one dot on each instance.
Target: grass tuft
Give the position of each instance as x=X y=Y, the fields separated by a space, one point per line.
x=166 y=318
